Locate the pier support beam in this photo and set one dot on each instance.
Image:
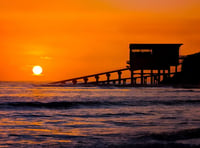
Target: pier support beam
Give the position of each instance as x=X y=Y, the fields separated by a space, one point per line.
x=145 y=80
x=142 y=76
x=176 y=69
x=97 y=79
x=124 y=81
x=85 y=80
x=151 y=76
x=164 y=75
x=155 y=78
x=132 y=77
x=169 y=72
x=119 y=77
x=74 y=82
x=158 y=76
x=135 y=81
x=108 y=78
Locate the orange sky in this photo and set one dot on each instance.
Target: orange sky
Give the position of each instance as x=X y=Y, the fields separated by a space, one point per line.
x=73 y=38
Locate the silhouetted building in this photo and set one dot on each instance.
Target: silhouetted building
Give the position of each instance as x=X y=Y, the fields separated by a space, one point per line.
x=153 y=56
x=190 y=73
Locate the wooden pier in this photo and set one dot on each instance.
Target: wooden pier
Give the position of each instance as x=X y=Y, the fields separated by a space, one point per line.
x=140 y=78
x=149 y=65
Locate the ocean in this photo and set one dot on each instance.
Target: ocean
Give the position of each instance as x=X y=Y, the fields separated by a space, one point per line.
x=98 y=117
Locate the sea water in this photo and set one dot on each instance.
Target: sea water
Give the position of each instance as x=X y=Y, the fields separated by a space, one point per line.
x=36 y=116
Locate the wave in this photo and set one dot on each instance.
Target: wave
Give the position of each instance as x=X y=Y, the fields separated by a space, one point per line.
x=101 y=115
x=177 y=135
x=56 y=105
x=90 y=104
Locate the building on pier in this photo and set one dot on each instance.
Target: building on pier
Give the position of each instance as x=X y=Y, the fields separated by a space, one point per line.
x=153 y=57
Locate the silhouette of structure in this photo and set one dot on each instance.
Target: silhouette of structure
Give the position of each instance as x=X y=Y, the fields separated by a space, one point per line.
x=153 y=57
x=189 y=76
x=149 y=65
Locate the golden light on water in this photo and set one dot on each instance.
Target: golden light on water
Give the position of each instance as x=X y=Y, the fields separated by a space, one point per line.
x=37 y=70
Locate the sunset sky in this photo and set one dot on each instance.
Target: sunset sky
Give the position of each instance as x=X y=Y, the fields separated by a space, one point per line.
x=71 y=38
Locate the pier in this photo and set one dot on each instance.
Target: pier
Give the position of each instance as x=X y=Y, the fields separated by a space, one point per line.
x=148 y=65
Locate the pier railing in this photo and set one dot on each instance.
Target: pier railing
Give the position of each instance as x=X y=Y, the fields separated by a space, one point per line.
x=96 y=76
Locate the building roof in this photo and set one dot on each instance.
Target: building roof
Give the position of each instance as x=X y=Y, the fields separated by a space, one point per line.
x=154 y=46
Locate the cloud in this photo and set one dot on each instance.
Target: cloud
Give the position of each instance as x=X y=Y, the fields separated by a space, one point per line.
x=46 y=58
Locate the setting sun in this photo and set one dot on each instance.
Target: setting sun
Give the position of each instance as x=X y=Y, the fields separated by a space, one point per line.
x=37 y=70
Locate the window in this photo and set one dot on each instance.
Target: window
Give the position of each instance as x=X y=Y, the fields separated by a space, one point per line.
x=142 y=50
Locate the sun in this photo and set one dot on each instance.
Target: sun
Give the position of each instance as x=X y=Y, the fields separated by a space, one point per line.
x=37 y=70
